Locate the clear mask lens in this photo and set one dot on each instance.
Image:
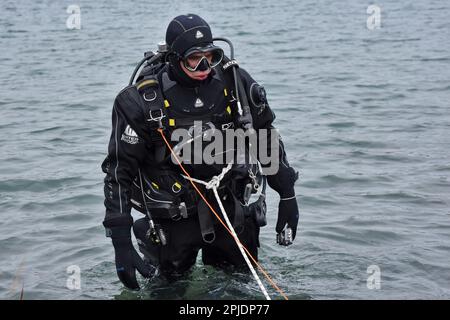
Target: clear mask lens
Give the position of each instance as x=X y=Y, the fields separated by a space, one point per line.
x=198 y=60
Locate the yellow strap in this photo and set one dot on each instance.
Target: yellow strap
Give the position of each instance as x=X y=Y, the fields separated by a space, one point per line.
x=225 y=92
x=155 y=185
x=172 y=122
x=166 y=103
x=229 y=110
x=146 y=82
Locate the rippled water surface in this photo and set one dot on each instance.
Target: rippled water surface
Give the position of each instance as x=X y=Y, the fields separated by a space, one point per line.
x=364 y=115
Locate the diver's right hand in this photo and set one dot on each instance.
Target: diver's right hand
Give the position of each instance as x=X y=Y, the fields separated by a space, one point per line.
x=127 y=261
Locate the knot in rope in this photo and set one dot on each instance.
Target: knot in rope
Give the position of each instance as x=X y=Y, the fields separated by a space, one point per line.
x=215 y=180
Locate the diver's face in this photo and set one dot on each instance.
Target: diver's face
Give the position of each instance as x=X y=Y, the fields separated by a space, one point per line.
x=193 y=61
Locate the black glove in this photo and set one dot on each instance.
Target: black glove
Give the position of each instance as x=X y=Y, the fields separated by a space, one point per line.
x=127 y=259
x=287 y=218
x=283 y=183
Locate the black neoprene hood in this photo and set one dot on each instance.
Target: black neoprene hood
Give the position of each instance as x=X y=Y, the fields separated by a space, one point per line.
x=187 y=31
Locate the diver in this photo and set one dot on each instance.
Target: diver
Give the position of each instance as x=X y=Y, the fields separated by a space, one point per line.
x=193 y=80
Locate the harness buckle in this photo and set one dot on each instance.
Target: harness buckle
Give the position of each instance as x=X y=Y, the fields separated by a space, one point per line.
x=183 y=210
x=157 y=117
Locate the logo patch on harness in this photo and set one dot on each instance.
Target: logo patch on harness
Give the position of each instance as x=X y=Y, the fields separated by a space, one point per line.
x=198 y=103
x=130 y=136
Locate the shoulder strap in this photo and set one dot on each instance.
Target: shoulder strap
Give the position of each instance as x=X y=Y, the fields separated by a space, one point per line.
x=153 y=107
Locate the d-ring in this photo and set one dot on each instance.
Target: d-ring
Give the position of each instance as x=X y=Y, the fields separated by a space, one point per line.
x=149 y=99
x=176 y=187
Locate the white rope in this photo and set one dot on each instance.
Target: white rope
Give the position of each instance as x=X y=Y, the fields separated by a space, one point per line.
x=214 y=184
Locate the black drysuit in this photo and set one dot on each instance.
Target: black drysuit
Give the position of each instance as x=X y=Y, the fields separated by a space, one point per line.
x=128 y=152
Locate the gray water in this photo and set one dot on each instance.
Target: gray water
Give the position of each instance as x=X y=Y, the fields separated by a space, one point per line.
x=364 y=115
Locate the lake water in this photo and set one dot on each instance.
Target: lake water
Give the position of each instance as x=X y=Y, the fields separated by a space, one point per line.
x=364 y=115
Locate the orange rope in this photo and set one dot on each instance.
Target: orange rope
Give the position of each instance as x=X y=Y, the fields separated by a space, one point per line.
x=220 y=220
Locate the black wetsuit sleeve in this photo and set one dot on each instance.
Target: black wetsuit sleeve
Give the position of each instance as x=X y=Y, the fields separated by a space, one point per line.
x=126 y=151
x=263 y=117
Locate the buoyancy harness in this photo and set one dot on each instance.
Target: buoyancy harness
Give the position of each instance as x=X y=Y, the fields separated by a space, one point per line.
x=161 y=191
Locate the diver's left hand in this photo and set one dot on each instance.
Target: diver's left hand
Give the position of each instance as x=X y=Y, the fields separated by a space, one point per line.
x=287 y=218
